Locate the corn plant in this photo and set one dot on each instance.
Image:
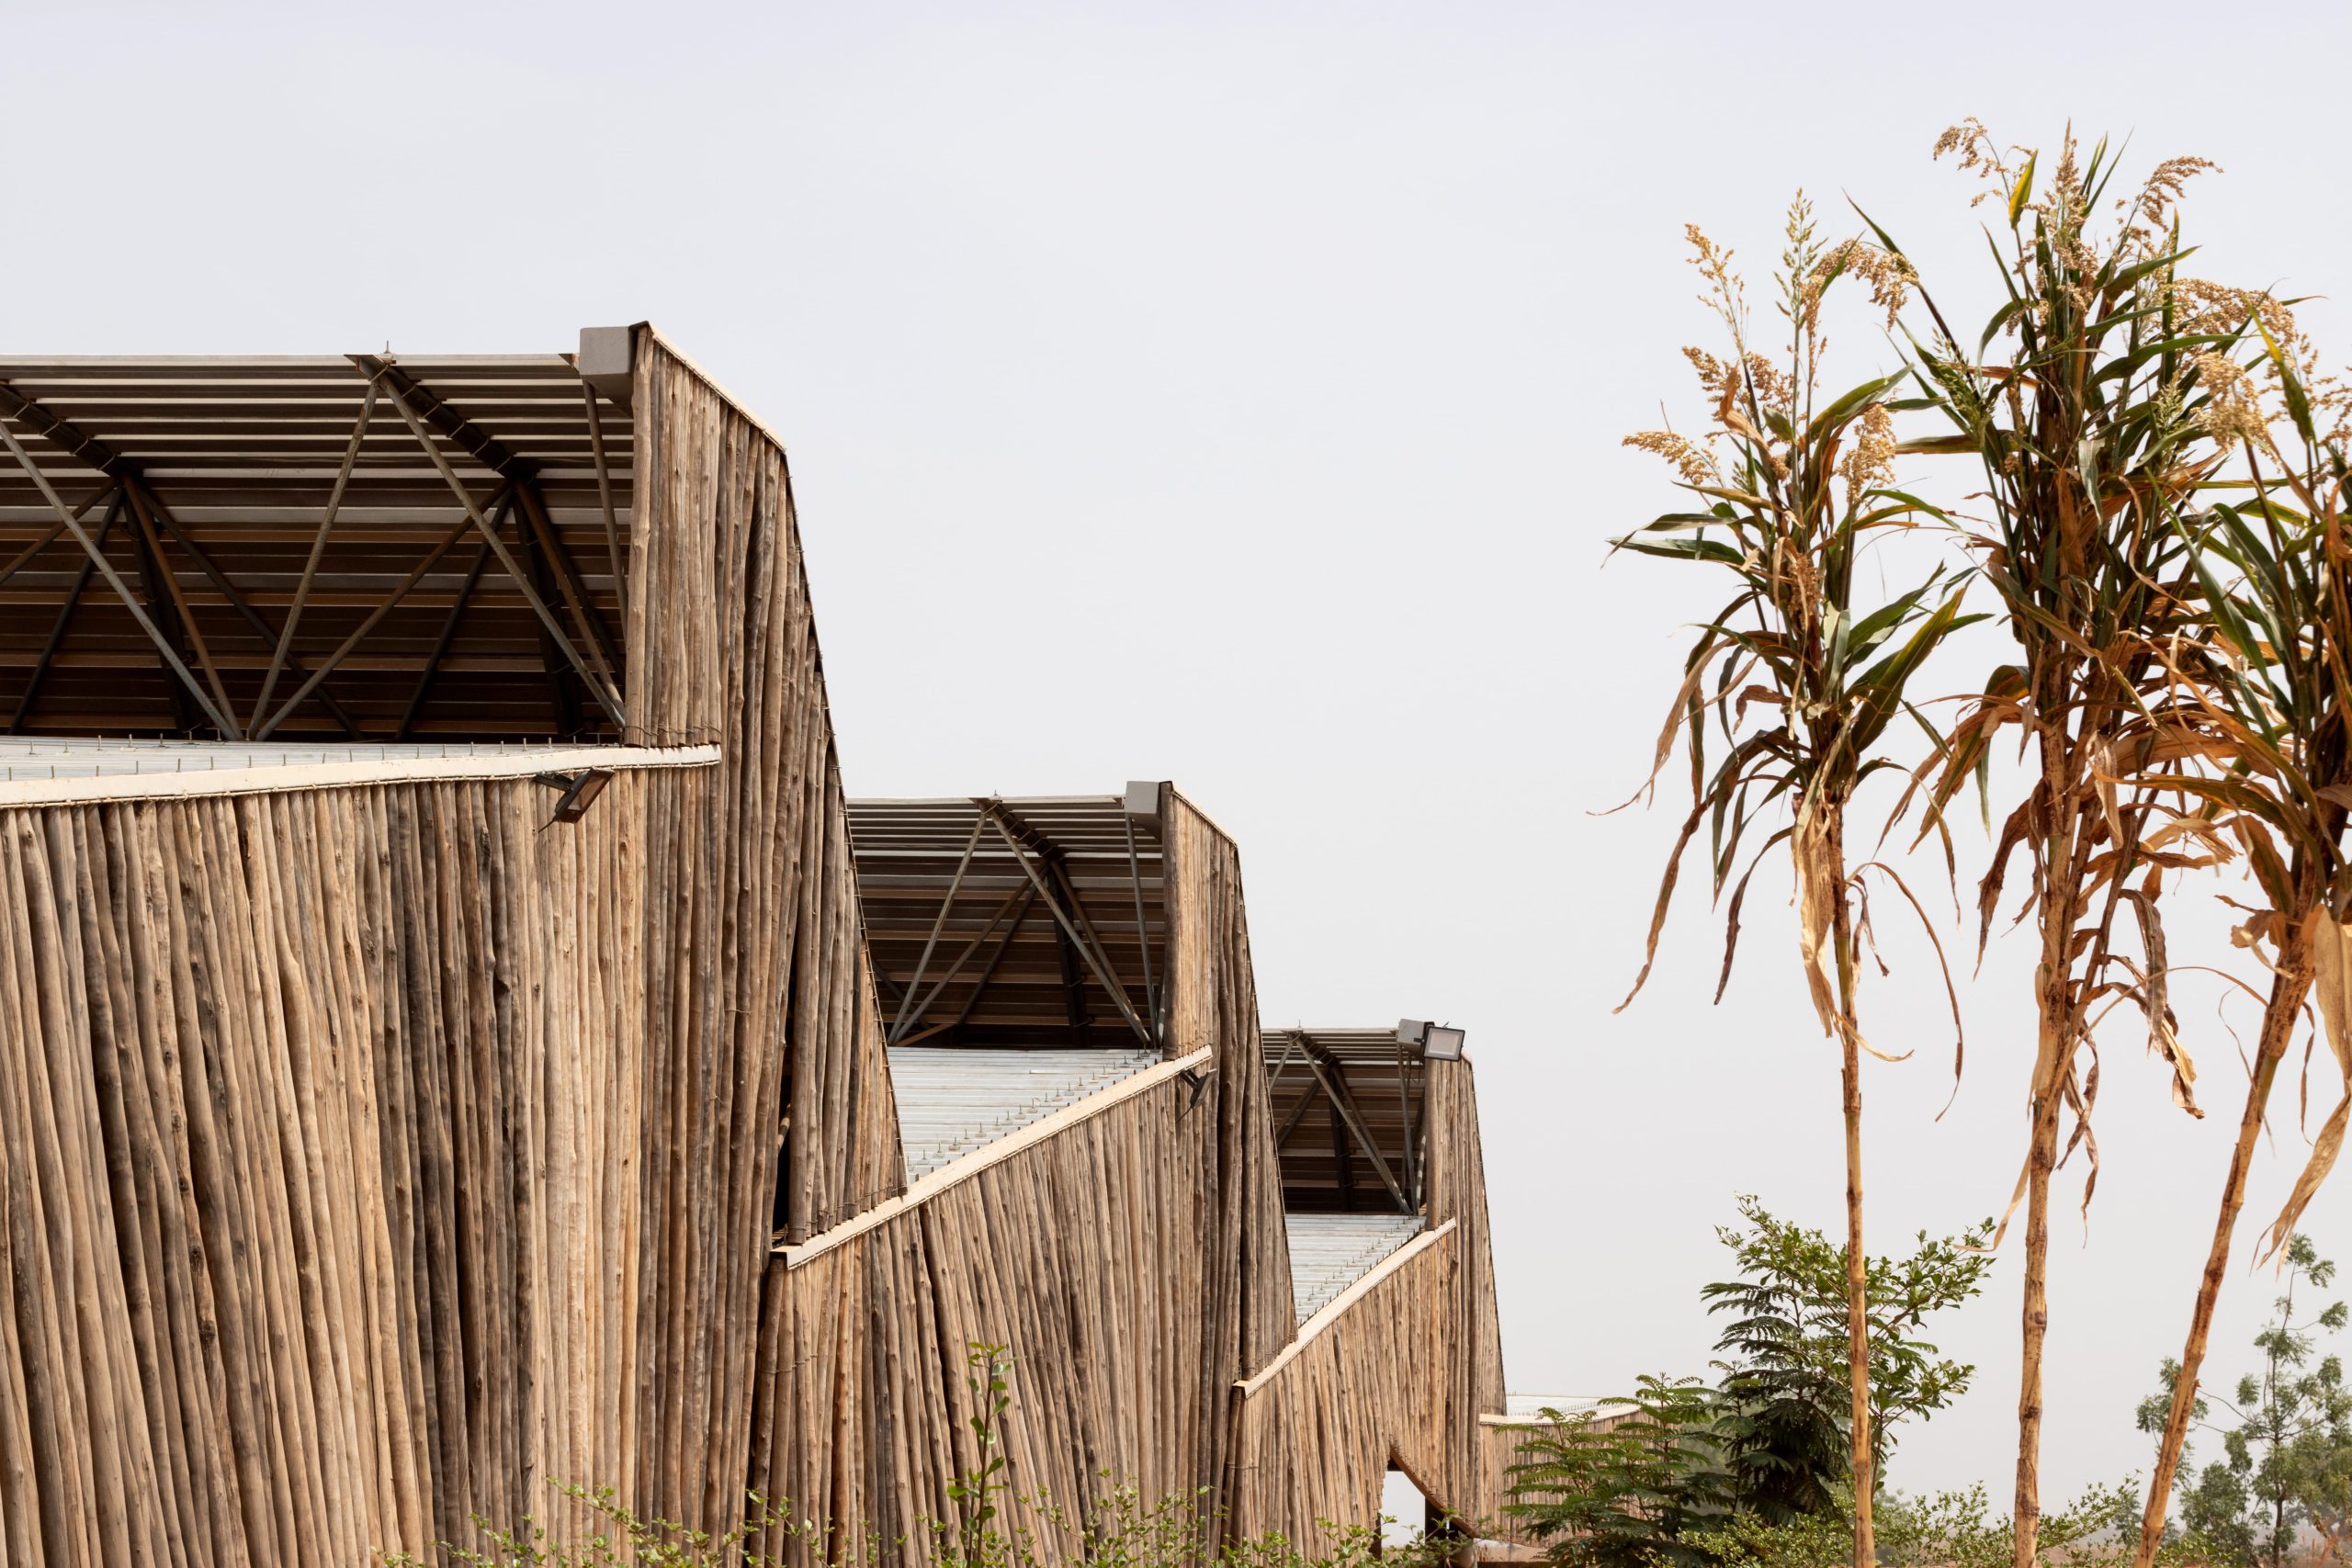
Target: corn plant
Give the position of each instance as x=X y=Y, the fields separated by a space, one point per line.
x=2263 y=694
x=2090 y=455
x=1801 y=675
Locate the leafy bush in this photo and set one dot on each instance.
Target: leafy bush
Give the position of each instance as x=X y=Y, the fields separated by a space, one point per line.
x=1784 y=1408
x=1948 y=1529
x=1606 y=1487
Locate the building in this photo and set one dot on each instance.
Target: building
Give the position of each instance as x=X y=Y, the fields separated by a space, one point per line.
x=454 y=1034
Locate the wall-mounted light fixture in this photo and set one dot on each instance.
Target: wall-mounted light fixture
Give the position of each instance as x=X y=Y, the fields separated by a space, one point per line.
x=579 y=791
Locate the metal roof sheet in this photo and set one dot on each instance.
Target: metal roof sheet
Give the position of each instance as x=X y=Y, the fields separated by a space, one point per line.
x=955 y=1101
x=1330 y=1252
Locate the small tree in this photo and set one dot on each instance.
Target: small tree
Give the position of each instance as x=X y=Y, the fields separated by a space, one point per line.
x=1784 y=1353
x=1621 y=1486
x=1657 y=1472
x=1801 y=674
x=2287 y=1439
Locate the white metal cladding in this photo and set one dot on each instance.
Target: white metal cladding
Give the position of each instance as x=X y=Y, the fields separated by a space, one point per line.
x=954 y=1100
x=1330 y=1252
x=75 y=757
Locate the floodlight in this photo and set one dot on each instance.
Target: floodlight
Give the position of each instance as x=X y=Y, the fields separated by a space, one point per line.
x=580 y=790
x=1443 y=1044
x=1143 y=799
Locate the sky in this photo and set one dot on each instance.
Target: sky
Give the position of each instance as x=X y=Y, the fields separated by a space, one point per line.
x=1232 y=394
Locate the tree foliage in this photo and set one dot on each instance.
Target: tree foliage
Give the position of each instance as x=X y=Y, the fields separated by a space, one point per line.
x=1643 y=1477
x=1783 y=1351
x=2285 y=1436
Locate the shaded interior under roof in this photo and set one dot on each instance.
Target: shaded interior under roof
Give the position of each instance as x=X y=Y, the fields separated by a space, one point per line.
x=205 y=483
x=1379 y=1095
x=1013 y=922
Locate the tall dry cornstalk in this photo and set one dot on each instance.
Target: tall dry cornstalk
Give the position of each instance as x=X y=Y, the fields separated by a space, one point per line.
x=2263 y=694
x=1801 y=681
x=2087 y=464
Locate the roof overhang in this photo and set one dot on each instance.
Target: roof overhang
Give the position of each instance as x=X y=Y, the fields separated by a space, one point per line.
x=448 y=534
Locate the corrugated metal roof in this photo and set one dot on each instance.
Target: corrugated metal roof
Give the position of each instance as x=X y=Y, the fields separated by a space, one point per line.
x=954 y=1099
x=1330 y=1252
x=1529 y=1407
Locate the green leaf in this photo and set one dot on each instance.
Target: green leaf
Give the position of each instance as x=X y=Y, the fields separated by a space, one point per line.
x=1937 y=446
x=1850 y=405
x=2023 y=191
x=2298 y=405
x=1694 y=550
x=2001 y=318
x=1675 y=522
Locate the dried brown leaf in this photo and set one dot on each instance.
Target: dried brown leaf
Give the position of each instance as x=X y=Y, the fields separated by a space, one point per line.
x=2332 y=984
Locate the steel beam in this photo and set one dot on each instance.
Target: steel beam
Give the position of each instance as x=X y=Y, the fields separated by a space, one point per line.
x=237 y=601
x=573 y=587
x=956 y=885
x=1016 y=903
x=1143 y=928
x=604 y=494
x=448 y=542
x=997 y=813
x=441 y=644
x=114 y=578
x=1344 y=1106
x=285 y=646
x=1026 y=899
x=57 y=628
x=1405 y=1110
x=605 y=696
x=56 y=531
x=163 y=568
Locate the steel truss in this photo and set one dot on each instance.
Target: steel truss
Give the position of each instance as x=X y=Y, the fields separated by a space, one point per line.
x=579 y=640
x=1045 y=883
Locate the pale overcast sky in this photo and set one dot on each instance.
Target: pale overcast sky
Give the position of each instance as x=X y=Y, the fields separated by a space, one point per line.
x=1231 y=393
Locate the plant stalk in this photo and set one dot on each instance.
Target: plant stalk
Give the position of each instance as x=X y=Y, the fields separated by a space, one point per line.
x=2041 y=1161
x=2065 y=864
x=1858 y=1343
x=2290 y=983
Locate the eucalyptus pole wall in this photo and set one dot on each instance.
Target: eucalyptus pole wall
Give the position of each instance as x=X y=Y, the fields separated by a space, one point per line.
x=372 y=1154
x=1079 y=1253
x=1456 y=1185
x=1213 y=1004
x=322 y=1115
x=767 y=1028
x=374 y=1151
x=1400 y=1367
